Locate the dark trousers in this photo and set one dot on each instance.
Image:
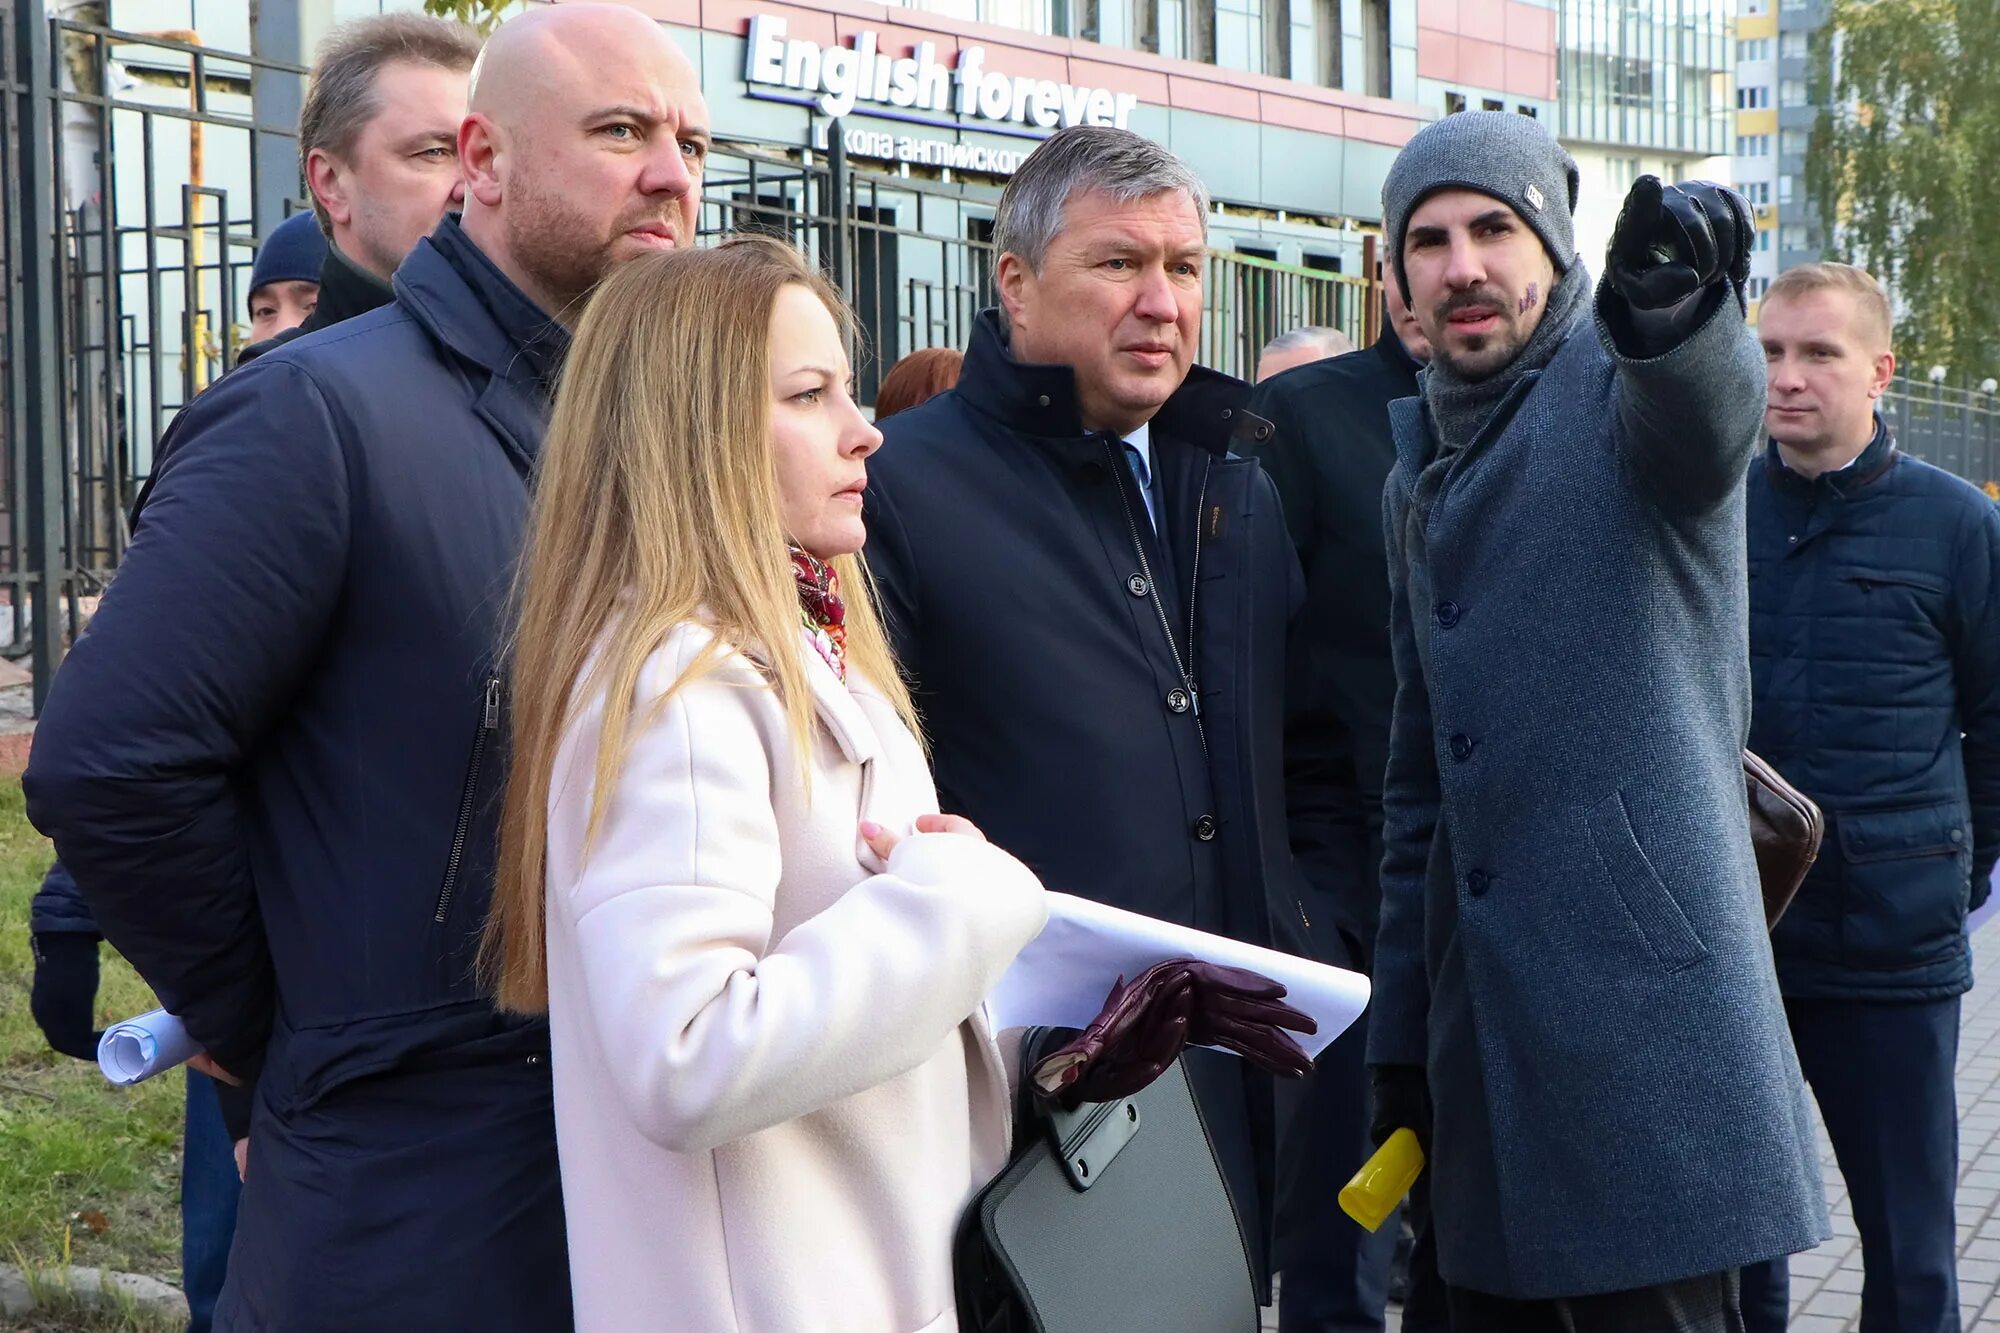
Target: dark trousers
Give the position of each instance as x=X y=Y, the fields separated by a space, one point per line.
x=1335 y=1275
x=1698 y=1305
x=209 y=1188
x=1883 y=1075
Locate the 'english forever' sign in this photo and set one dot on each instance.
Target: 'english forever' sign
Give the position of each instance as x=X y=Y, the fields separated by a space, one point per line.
x=843 y=76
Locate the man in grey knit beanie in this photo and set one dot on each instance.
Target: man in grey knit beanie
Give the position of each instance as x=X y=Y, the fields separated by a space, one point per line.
x=1575 y=1006
x=1510 y=157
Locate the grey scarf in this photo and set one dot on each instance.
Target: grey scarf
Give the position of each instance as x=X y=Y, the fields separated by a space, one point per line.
x=1460 y=407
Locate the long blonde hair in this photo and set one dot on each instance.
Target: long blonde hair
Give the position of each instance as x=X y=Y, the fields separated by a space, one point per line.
x=656 y=504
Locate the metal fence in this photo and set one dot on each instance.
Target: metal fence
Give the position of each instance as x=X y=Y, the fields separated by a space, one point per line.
x=122 y=286
x=1957 y=429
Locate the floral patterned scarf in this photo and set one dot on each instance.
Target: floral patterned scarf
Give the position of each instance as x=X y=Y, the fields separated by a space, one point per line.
x=820 y=609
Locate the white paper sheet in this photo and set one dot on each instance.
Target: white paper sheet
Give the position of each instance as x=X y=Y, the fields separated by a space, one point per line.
x=1062 y=977
x=135 y=1050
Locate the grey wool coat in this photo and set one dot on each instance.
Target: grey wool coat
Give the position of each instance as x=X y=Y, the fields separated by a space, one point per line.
x=1572 y=938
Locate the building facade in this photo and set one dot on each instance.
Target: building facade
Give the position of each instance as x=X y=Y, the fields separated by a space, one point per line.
x=1643 y=89
x=1774 y=123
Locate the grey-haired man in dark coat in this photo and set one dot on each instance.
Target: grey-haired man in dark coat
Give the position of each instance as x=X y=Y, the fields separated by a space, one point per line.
x=1572 y=967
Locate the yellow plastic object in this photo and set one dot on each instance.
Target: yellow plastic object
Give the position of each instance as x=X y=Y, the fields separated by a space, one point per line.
x=1383 y=1180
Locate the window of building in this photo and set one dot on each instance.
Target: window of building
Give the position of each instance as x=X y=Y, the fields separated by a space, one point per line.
x=1757 y=192
x=1753 y=145
x=1620 y=172
x=1491 y=104
x=1750 y=7
x=1793 y=143
x=1528 y=111
x=1454 y=103
x=1239 y=35
x=1375 y=47
x=1753 y=48
x=1786 y=185
x=1793 y=236
x=1757 y=288
x=1753 y=98
x=1792 y=92
x=1794 y=4
x=1762 y=244
x=1794 y=45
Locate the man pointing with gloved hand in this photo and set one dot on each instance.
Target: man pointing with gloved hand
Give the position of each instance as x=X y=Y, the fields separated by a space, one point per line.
x=1572 y=983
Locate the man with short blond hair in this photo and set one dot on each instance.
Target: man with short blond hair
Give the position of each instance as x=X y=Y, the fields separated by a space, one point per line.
x=1875 y=672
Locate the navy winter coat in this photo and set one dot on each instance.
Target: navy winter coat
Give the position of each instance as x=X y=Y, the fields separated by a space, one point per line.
x=1018 y=570
x=271 y=764
x=58 y=908
x=1874 y=643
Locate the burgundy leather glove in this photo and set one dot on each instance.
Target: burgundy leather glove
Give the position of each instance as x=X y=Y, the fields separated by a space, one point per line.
x=1145 y=1025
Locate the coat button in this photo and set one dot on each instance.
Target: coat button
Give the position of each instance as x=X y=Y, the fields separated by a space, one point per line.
x=1042 y=401
x=1177 y=701
x=1958 y=835
x=1137 y=585
x=1461 y=748
x=1447 y=614
x=1204 y=828
x=1262 y=432
x=1475 y=883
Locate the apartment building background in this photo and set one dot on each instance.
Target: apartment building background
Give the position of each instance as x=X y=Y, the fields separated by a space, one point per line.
x=1644 y=88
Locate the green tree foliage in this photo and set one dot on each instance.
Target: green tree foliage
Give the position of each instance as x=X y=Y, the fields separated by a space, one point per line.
x=484 y=15
x=1905 y=164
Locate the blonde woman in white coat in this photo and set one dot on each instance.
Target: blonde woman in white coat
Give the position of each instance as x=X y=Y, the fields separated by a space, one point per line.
x=762 y=951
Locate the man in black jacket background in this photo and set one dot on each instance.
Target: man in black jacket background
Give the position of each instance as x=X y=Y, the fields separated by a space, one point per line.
x=378 y=145
x=1330 y=455
x=1091 y=593
x=271 y=762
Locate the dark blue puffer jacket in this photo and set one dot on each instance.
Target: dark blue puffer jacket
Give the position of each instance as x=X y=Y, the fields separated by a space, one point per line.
x=58 y=908
x=1874 y=643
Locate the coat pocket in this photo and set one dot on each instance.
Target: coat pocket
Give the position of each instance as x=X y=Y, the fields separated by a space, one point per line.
x=1647 y=900
x=1905 y=883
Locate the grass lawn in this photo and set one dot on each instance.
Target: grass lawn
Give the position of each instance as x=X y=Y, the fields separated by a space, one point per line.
x=89 y=1173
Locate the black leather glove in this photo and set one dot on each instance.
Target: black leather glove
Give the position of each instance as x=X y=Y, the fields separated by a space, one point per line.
x=64 y=997
x=1402 y=1101
x=1673 y=240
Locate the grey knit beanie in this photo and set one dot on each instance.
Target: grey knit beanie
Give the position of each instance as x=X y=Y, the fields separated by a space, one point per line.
x=1512 y=157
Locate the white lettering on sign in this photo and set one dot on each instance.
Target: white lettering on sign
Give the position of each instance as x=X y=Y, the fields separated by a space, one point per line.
x=845 y=75
x=934 y=152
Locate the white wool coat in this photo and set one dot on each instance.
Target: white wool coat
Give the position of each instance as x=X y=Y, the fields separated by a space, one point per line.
x=775 y=1084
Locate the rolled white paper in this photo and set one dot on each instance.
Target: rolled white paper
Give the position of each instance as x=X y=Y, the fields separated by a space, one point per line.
x=135 y=1050
x=1062 y=977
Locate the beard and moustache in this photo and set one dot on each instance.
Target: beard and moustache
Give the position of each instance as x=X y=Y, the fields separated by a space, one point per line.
x=566 y=252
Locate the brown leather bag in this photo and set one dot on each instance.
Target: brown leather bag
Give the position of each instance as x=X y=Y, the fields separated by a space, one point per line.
x=1785 y=829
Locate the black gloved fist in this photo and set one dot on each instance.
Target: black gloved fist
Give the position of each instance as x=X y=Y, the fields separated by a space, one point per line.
x=64 y=997
x=1673 y=240
x=1402 y=1095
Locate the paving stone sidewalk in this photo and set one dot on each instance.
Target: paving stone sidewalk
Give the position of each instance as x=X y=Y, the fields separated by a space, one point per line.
x=1826 y=1283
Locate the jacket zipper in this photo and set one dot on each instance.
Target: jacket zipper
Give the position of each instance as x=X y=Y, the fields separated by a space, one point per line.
x=489 y=723
x=1152 y=585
